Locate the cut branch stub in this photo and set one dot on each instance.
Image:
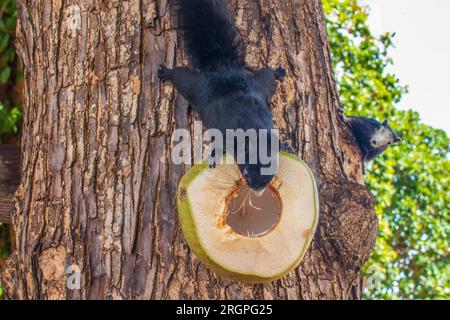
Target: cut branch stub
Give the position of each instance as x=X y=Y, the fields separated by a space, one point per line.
x=9 y=179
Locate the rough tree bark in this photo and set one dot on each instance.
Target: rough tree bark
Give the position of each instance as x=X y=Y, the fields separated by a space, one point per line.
x=97 y=189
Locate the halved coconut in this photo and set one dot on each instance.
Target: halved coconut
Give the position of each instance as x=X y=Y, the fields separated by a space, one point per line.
x=243 y=236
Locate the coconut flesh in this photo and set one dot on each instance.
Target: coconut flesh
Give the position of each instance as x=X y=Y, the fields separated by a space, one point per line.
x=242 y=235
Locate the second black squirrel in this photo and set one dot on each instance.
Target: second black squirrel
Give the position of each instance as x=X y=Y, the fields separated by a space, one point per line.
x=373 y=137
x=219 y=86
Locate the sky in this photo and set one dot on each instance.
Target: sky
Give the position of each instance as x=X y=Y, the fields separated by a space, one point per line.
x=421 y=54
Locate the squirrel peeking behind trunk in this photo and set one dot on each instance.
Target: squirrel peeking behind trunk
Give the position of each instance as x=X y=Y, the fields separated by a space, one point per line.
x=372 y=136
x=219 y=86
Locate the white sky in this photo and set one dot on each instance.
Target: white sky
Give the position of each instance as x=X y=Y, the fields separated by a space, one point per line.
x=421 y=54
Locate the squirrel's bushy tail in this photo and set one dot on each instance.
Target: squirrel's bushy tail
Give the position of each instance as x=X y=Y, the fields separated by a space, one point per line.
x=210 y=38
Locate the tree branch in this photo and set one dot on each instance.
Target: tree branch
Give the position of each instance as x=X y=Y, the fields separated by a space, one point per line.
x=9 y=179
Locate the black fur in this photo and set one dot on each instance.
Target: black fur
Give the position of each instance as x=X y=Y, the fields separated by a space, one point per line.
x=209 y=36
x=220 y=88
x=364 y=129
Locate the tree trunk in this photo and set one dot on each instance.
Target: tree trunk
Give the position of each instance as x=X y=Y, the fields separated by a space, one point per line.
x=97 y=189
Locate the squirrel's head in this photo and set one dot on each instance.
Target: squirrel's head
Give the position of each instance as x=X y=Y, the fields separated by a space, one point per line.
x=384 y=136
x=261 y=162
x=255 y=180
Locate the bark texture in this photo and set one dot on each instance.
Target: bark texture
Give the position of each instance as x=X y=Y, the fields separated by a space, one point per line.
x=97 y=189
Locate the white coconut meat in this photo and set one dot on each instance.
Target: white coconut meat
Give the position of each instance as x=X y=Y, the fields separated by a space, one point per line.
x=245 y=236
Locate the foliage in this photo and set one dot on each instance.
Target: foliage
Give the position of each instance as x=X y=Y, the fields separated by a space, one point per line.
x=9 y=114
x=7 y=26
x=9 y=118
x=410 y=182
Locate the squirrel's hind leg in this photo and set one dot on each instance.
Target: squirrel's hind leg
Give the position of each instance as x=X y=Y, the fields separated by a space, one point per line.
x=265 y=80
x=188 y=82
x=165 y=73
x=279 y=73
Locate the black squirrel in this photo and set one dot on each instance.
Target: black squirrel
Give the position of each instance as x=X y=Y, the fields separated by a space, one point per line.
x=373 y=137
x=219 y=85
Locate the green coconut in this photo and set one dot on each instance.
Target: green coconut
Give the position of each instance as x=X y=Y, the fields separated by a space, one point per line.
x=244 y=236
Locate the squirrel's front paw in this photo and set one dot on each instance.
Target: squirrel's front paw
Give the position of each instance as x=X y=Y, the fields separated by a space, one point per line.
x=280 y=73
x=284 y=147
x=341 y=114
x=164 y=73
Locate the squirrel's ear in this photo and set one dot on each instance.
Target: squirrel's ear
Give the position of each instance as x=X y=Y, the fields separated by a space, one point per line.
x=398 y=139
x=385 y=123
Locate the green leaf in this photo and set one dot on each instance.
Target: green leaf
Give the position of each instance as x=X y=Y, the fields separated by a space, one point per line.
x=4 y=75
